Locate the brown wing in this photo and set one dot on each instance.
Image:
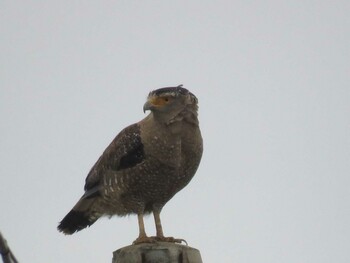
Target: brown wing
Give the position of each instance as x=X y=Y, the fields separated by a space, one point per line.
x=125 y=151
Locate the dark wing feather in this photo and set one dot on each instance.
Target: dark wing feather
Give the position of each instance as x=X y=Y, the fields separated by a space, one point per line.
x=125 y=151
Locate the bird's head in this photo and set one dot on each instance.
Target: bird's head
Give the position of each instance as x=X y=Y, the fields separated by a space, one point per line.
x=170 y=100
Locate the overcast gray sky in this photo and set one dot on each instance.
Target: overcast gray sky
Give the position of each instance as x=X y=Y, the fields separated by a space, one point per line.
x=272 y=79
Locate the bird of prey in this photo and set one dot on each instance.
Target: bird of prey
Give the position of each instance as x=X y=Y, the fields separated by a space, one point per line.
x=144 y=166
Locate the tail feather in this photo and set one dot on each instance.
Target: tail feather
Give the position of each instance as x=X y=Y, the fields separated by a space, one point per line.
x=78 y=218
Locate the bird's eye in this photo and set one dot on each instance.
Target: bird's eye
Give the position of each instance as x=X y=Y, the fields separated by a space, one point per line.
x=166 y=99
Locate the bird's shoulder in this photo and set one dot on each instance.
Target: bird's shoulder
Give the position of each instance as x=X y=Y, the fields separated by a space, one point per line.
x=125 y=151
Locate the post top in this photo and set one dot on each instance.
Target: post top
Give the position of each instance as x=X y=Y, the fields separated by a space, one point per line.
x=158 y=252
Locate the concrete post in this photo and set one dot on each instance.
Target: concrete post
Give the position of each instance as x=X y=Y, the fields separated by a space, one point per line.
x=160 y=252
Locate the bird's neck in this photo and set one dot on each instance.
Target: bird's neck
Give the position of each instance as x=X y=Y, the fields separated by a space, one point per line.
x=189 y=115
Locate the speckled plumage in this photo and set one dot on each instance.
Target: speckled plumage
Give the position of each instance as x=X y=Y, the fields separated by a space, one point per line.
x=145 y=165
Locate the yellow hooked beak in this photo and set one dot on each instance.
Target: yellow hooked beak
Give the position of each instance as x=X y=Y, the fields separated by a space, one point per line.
x=153 y=102
x=147 y=106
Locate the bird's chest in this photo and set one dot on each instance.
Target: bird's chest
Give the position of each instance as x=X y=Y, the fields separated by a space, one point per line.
x=166 y=148
x=173 y=146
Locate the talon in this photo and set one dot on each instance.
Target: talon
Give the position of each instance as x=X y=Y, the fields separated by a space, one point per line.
x=170 y=239
x=180 y=240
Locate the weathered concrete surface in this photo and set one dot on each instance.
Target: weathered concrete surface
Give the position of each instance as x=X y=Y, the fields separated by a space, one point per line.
x=160 y=252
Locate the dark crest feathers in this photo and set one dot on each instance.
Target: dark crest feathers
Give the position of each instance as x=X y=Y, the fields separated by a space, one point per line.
x=179 y=90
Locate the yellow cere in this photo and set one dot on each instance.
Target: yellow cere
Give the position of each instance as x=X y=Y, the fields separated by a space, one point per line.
x=159 y=101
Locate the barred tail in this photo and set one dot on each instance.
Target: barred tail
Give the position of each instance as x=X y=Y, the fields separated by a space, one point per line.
x=79 y=217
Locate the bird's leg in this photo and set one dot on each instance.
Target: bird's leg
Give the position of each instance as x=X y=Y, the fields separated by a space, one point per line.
x=142 y=238
x=159 y=230
x=142 y=232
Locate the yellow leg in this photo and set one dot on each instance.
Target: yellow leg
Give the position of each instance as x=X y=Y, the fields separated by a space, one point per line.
x=142 y=238
x=159 y=228
x=160 y=235
x=142 y=232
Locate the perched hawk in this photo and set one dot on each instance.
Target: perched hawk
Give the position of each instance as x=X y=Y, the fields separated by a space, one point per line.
x=144 y=166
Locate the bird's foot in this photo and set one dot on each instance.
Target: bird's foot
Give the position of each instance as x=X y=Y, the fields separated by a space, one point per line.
x=170 y=239
x=144 y=239
x=154 y=239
